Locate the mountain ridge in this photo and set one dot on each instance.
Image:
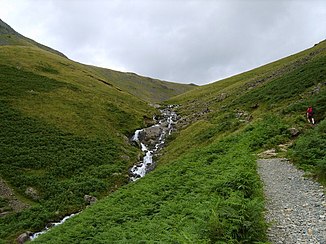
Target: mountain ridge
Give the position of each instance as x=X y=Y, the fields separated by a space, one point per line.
x=7 y=34
x=146 y=88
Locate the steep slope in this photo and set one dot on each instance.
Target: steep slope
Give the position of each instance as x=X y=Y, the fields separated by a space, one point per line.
x=148 y=89
x=206 y=188
x=8 y=36
x=283 y=88
x=279 y=77
x=64 y=130
x=61 y=137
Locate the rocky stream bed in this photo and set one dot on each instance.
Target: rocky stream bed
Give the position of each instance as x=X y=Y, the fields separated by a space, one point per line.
x=151 y=140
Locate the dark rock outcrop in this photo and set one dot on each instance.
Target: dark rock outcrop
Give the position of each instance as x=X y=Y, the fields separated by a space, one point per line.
x=90 y=199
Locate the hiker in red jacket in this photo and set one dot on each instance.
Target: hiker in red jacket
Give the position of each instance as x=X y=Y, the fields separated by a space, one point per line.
x=310 y=115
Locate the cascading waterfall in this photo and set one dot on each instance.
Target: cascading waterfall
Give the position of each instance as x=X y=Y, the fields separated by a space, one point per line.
x=164 y=127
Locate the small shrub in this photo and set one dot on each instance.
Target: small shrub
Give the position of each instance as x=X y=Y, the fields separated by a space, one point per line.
x=268 y=133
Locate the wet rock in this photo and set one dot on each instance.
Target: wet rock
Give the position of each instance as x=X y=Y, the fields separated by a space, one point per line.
x=32 y=193
x=150 y=167
x=152 y=132
x=49 y=225
x=24 y=237
x=151 y=140
x=164 y=124
x=148 y=136
x=90 y=199
x=138 y=136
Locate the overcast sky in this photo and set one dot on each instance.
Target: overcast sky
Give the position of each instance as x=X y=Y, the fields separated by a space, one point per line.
x=186 y=41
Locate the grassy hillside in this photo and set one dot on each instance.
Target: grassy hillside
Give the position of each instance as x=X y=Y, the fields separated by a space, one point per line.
x=63 y=139
x=145 y=88
x=206 y=188
x=283 y=88
x=64 y=131
x=204 y=196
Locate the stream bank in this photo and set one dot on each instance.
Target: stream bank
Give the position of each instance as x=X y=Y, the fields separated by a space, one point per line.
x=150 y=140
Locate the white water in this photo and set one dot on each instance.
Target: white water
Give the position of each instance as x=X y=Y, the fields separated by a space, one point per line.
x=139 y=170
x=136 y=135
x=37 y=234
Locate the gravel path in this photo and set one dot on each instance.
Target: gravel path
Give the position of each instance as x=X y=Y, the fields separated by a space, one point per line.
x=295 y=206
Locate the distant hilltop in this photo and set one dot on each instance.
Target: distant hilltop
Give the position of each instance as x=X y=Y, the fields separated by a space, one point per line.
x=8 y=36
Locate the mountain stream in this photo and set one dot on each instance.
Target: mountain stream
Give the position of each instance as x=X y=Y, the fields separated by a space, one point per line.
x=150 y=140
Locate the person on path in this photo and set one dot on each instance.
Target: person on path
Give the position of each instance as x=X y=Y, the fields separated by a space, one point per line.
x=310 y=115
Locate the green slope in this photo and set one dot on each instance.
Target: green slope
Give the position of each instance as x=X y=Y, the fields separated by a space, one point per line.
x=145 y=88
x=64 y=130
x=206 y=188
x=284 y=87
x=65 y=138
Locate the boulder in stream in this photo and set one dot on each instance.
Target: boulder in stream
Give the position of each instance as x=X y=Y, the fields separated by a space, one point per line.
x=26 y=236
